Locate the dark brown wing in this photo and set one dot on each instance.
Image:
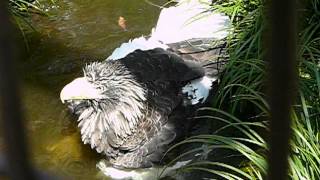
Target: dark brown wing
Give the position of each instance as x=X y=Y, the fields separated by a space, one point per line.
x=158 y=64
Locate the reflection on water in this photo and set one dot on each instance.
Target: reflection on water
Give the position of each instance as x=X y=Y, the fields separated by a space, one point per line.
x=79 y=31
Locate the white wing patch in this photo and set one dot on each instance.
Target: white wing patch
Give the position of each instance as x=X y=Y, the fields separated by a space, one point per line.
x=138 y=43
x=197 y=91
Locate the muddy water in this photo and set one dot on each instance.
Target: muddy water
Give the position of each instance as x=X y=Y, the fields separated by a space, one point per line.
x=77 y=32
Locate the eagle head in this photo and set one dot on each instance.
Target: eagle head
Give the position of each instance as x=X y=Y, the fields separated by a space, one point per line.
x=98 y=83
x=107 y=99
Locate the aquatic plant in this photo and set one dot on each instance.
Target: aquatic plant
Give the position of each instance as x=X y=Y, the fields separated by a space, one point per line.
x=240 y=103
x=21 y=11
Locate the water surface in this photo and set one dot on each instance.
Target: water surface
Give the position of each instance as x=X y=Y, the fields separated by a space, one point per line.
x=77 y=32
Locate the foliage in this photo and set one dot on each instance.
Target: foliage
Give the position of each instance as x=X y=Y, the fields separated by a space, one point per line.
x=240 y=103
x=21 y=11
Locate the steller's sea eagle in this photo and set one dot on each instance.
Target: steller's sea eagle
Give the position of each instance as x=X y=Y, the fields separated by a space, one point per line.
x=134 y=104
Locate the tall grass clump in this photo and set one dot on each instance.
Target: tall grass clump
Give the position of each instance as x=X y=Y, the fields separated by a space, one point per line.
x=240 y=103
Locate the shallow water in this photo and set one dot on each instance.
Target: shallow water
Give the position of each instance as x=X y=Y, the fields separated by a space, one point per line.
x=77 y=32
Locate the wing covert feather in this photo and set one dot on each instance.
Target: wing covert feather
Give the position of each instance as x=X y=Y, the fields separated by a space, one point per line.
x=161 y=65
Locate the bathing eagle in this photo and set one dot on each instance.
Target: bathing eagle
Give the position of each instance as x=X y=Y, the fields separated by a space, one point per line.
x=129 y=106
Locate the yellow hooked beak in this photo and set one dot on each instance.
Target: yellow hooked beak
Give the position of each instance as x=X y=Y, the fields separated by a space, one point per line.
x=78 y=89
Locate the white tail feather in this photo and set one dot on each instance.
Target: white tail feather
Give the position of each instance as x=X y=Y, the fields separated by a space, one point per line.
x=190 y=19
